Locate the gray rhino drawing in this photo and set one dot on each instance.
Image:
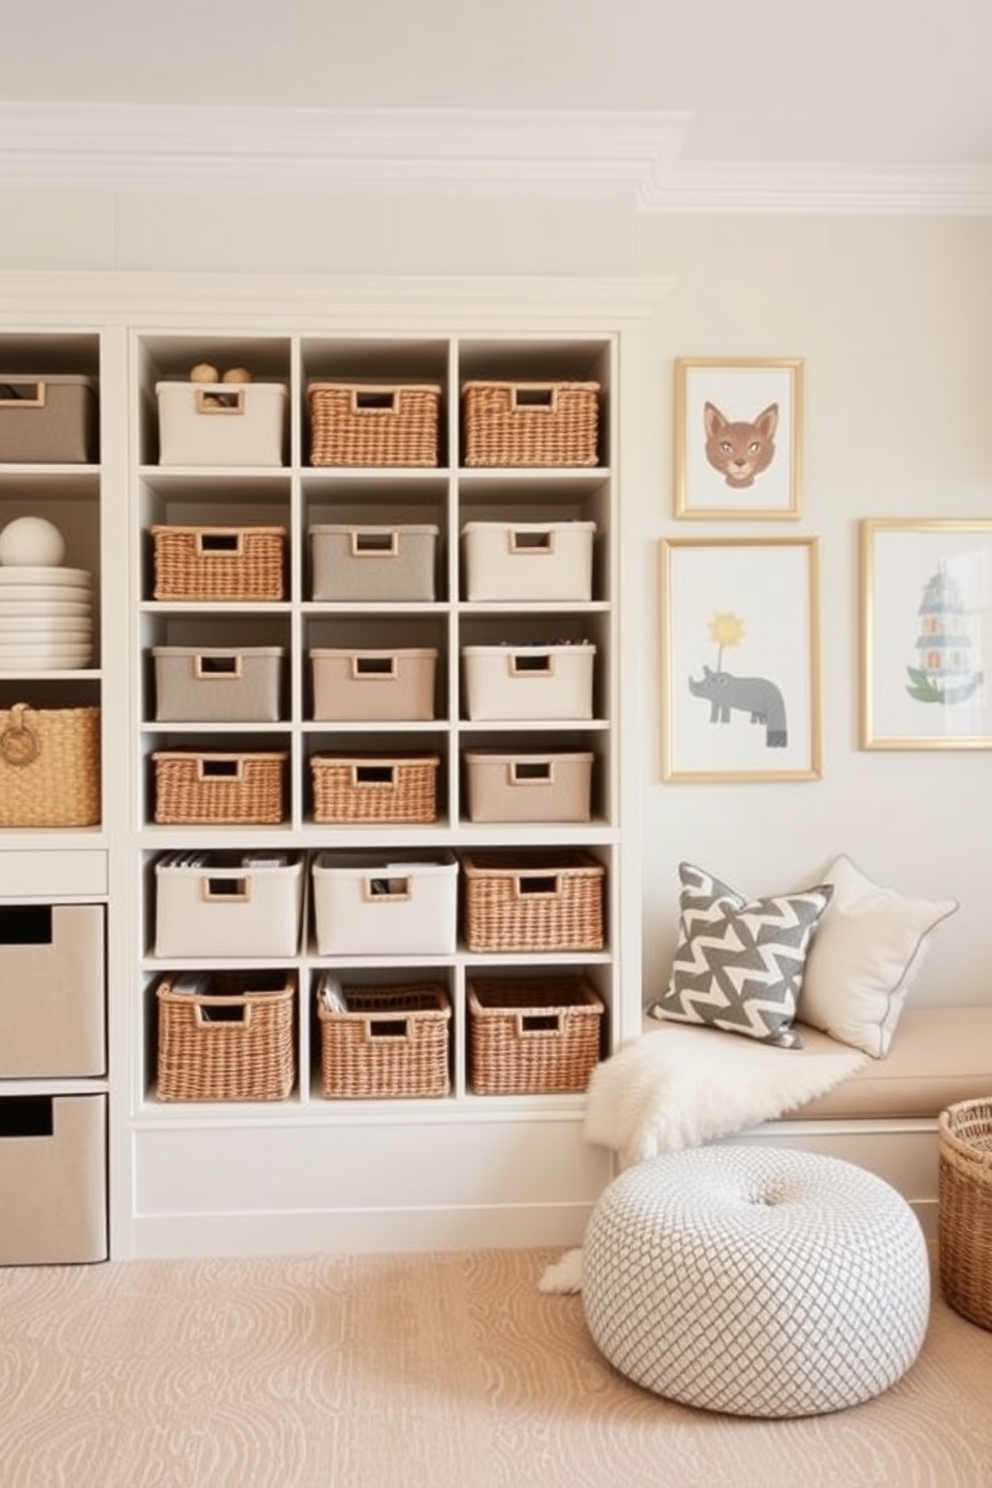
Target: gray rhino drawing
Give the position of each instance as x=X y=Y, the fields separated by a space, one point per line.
x=754 y=695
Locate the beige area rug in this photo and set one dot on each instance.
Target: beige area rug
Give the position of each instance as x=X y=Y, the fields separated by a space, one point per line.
x=421 y=1371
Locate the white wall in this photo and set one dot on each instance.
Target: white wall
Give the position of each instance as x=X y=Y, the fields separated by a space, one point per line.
x=893 y=317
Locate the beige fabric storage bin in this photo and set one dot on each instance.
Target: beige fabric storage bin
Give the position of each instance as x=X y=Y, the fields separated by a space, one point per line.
x=528 y=682
x=528 y=560
x=221 y=423
x=504 y=787
x=51 y=991
x=218 y=684
x=53 y=1177
x=365 y=904
x=48 y=420
x=373 y=563
x=372 y=686
x=228 y=904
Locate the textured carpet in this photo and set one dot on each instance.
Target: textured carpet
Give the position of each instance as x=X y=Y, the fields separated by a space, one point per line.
x=421 y=1371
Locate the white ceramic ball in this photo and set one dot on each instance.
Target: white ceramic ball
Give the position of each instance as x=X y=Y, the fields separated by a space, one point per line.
x=31 y=542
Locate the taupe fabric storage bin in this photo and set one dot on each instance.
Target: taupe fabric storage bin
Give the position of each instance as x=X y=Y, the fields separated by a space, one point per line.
x=228 y=904
x=48 y=420
x=528 y=560
x=373 y=563
x=51 y=991
x=218 y=684
x=221 y=423
x=371 y=686
x=53 y=1176
x=504 y=787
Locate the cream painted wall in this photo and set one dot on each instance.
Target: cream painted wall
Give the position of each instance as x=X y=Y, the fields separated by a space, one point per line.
x=893 y=317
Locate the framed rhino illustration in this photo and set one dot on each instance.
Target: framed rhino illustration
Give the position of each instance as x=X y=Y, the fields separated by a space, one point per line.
x=926 y=633
x=738 y=437
x=741 y=657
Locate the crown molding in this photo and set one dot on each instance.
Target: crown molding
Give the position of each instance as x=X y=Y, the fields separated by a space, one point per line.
x=637 y=154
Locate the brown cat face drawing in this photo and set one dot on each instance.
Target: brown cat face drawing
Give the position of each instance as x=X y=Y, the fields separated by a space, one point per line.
x=740 y=451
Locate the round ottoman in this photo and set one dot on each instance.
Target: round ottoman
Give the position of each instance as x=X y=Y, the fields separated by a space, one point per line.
x=756 y=1280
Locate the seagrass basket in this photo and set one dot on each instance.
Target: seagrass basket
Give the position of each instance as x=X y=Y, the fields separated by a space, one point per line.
x=531 y=423
x=373 y=424
x=219 y=563
x=374 y=788
x=391 y=1042
x=533 y=1037
x=220 y=787
x=550 y=901
x=49 y=766
x=234 y=1042
x=964 y=1209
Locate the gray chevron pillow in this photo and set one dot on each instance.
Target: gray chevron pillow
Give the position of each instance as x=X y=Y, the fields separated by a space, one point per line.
x=739 y=962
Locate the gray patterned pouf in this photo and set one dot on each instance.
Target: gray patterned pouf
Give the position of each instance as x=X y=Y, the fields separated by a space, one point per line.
x=756 y=1280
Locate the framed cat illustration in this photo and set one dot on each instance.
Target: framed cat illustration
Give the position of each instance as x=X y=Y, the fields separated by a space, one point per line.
x=738 y=437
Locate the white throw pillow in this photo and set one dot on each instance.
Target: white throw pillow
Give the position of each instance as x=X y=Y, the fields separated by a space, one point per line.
x=867 y=950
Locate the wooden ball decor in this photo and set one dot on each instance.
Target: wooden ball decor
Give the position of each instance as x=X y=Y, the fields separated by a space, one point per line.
x=204 y=372
x=236 y=374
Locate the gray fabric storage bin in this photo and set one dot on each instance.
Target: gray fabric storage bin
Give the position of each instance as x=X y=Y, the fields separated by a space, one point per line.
x=218 y=684
x=53 y=1176
x=51 y=991
x=47 y=419
x=373 y=563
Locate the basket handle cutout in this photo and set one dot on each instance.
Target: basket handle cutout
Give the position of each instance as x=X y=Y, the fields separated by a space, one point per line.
x=532 y=544
x=27 y=1116
x=23 y=394
x=374 y=668
x=374 y=775
x=218 y=667
x=537 y=1023
x=220 y=402
x=531 y=772
x=375 y=544
x=537 y=883
x=219 y=544
x=536 y=399
x=219 y=1015
x=366 y=400
x=531 y=666
x=26 y=924
x=220 y=769
x=388 y=889
x=227 y=889
x=388 y=1028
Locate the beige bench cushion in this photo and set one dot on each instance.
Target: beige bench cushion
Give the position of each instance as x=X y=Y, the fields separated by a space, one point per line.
x=938 y=1056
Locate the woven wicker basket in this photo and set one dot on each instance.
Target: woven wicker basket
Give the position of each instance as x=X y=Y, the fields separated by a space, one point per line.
x=531 y=423
x=373 y=424
x=374 y=788
x=219 y=563
x=392 y=1041
x=49 y=767
x=537 y=1037
x=964 y=1209
x=213 y=787
x=235 y=1043
x=544 y=902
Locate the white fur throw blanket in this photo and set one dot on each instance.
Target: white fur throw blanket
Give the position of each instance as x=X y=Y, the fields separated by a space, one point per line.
x=681 y=1086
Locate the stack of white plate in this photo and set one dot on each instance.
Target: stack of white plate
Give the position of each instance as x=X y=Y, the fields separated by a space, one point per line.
x=46 y=619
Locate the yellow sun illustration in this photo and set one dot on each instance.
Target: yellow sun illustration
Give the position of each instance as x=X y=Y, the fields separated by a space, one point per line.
x=726 y=629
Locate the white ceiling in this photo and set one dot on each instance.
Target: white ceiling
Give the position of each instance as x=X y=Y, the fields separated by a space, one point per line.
x=882 y=87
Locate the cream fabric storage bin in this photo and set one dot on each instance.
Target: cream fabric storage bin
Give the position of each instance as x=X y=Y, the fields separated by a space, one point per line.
x=528 y=560
x=221 y=423
x=366 y=904
x=373 y=563
x=228 y=904
x=528 y=682
x=218 y=684
x=373 y=686
x=504 y=787
x=53 y=1177
x=51 y=991
x=48 y=420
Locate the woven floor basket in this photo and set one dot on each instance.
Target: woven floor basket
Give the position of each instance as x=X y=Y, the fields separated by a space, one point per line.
x=49 y=767
x=233 y=1044
x=540 y=1037
x=392 y=1041
x=549 y=902
x=219 y=563
x=964 y=1209
x=193 y=787
x=374 y=788
x=372 y=424
x=531 y=423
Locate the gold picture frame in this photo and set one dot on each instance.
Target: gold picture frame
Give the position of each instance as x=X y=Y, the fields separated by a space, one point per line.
x=926 y=633
x=738 y=438
x=761 y=721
